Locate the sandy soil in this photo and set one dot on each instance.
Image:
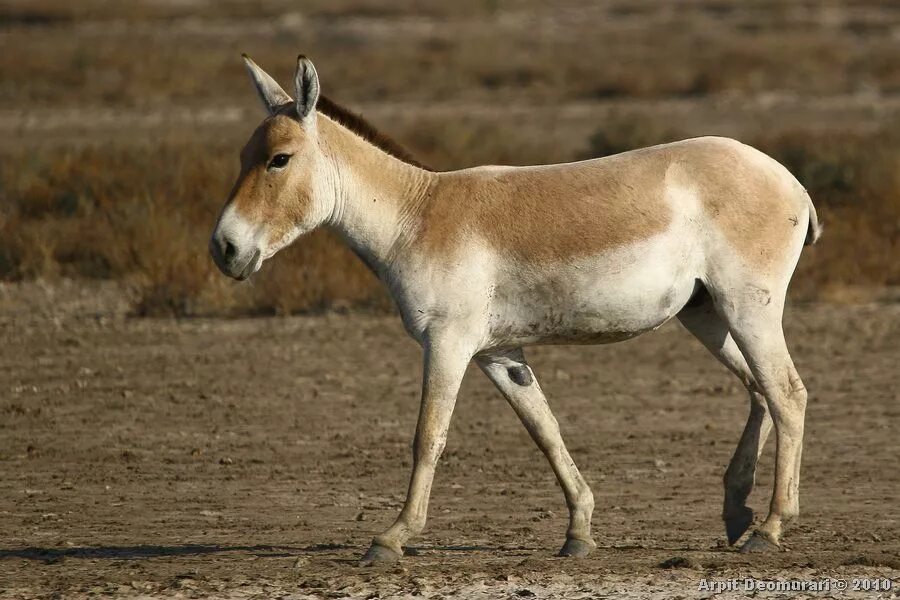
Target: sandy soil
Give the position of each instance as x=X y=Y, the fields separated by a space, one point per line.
x=256 y=458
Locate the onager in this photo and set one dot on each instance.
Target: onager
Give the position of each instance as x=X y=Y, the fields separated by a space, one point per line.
x=484 y=261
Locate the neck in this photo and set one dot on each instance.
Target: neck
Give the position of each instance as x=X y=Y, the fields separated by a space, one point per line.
x=377 y=196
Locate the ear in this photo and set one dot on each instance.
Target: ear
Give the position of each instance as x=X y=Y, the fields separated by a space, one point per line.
x=271 y=94
x=307 y=82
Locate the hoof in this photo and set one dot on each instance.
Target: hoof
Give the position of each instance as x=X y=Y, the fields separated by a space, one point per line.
x=379 y=555
x=737 y=525
x=758 y=542
x=577 y=548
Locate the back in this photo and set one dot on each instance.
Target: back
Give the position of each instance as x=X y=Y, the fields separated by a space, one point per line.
x=552 y=213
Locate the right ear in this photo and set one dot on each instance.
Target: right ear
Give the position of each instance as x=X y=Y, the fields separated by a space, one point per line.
x=271 y=94
x=306 y=80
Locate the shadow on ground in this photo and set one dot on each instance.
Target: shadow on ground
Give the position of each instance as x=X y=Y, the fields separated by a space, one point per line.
x=150 y=551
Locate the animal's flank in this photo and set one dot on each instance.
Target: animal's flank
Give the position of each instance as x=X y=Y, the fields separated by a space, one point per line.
x=550 y=213
x=365 y=130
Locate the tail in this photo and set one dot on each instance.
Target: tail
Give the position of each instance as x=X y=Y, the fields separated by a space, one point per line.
x=814 y=231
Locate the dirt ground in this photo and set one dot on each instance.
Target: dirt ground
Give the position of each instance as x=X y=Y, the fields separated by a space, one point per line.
x=256 y=458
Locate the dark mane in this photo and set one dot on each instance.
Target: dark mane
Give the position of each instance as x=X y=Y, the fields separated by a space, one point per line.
x=365 y=130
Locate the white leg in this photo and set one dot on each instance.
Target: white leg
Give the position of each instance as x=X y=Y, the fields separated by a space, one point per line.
x=757 y=330
x=445 y=364
x=515 y=380
x=707 y=326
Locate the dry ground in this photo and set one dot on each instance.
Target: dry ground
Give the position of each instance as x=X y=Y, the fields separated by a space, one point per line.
x=257 y=458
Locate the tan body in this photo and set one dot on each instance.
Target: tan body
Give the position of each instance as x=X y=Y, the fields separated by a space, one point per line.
x=484 y=261
x=594 y=251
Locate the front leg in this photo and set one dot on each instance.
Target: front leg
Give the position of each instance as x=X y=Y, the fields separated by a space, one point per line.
x=446 y=358
x=514 y=378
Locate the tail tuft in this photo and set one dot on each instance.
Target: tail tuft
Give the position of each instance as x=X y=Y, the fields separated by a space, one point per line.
x=814 y=231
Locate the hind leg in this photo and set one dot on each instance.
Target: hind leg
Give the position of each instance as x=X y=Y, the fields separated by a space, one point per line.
x=755 y=322
x=706 y=325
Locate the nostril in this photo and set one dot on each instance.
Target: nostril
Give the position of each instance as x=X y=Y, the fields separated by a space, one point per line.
x=229 y=250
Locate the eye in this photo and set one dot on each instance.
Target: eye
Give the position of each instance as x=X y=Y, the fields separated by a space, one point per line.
x=279 y=161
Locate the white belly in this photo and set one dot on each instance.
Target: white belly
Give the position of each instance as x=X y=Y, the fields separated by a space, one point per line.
x=593 y=300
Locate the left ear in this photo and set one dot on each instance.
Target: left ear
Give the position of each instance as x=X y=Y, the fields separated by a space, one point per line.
x=307 y=82
x=271 y=94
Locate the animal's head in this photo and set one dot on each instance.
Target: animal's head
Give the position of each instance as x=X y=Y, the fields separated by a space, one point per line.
x=282 y=190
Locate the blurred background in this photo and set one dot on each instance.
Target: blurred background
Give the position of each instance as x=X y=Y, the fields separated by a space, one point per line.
x=121 y=122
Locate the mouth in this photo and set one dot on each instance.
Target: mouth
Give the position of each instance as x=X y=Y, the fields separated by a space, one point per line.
x=249 y=269
x=234 y=268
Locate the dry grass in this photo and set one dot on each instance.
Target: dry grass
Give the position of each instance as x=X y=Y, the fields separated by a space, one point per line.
x=138 y=206
x=855 y=182
x=476 y=49
x=144 y=218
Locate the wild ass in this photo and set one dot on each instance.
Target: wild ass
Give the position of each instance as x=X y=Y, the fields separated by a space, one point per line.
x=484 y=261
